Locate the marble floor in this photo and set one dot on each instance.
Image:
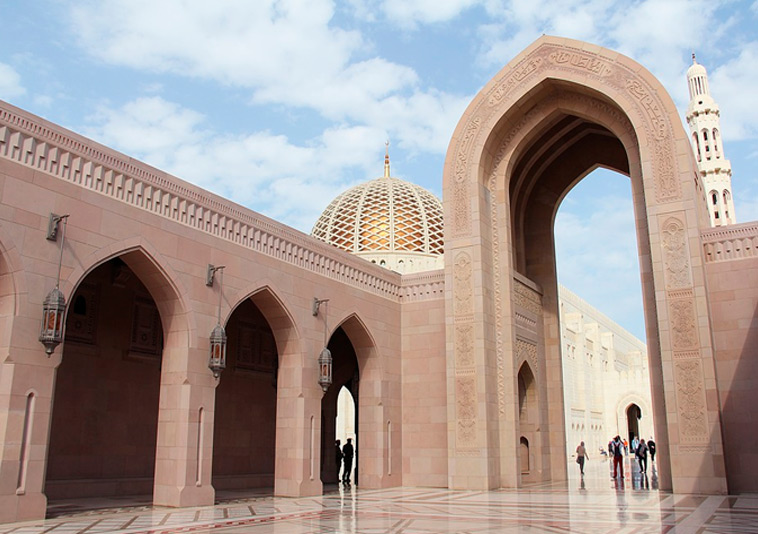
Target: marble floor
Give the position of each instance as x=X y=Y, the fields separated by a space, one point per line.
x=592 y=505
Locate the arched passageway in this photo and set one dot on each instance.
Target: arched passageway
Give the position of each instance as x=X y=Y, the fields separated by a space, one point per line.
x=633 y=416
x=552 y=115
x=529 y=428
x=105 y=406
x=345 y=375
x=244 y=432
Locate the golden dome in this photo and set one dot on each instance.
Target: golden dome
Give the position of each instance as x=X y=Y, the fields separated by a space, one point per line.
x=387 y=220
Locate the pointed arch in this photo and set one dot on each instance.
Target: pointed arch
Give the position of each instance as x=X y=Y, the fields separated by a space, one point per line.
x=554 y=112
x=277 y=313
x=13 y=290
x=159 y=278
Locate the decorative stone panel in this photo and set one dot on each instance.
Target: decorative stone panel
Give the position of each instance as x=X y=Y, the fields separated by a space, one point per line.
x=690 y=396
x=676 y=255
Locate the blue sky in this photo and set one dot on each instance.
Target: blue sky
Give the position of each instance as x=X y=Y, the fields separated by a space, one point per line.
x=281 y=105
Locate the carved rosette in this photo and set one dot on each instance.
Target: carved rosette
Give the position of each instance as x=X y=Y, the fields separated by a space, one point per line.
x=676 y=257
x=691 y=405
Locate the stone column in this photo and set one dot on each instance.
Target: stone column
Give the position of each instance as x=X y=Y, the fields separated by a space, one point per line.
x=298 y=426
x=184 y=453
x=26 y=392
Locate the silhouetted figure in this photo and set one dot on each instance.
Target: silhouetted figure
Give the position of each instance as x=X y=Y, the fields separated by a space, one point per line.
x=347 y=458
x=338 y=457
x=651 y=448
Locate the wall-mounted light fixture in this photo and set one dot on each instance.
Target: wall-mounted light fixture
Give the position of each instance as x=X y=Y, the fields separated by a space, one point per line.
x=325 y=358
x=217 y=360
x=54 y=307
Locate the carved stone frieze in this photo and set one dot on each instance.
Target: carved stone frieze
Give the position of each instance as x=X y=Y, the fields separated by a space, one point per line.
x=464 y=345
x=513 y=78
x=462 y=285
x=465 y=410
x=526 y=351
x=656 y=124
x=676 y=257
x=683 y=324
x=462 y=207
x=582 y=60
x=690 y=395
x=527 y=298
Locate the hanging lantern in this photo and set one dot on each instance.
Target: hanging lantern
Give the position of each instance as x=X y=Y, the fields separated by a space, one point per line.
x=217 y=361
x=325 y=369
x=53 y=309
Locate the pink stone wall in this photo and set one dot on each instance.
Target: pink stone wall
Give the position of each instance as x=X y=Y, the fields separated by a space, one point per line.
x=425 y=452
x=733 y=295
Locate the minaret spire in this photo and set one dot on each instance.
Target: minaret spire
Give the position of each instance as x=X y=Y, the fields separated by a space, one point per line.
x=387 y=159
x=703 y=118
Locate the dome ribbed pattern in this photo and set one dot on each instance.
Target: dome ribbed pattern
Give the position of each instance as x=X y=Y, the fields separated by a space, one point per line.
x=386 y=214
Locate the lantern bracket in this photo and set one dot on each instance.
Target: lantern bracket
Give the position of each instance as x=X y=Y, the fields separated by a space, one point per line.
x=317 y=304
x=210 y=274
x=52 y=226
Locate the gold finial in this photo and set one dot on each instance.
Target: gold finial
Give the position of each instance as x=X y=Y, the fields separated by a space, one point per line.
x=387 y=159
x=693 y=57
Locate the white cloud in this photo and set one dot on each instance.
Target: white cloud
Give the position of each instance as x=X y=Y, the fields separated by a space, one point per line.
x=263 y=171
x=10 y=82
x=409 y=13
x=730 y=85
x=286 y=53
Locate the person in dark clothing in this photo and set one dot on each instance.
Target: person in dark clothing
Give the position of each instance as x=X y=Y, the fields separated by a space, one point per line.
x=651 y=448
x=641 y=454
x=617 y=453
x=347 y=457
x=338 y=452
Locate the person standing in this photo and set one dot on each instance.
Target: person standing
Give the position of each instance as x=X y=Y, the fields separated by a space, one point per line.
x=651 y=448
x=338 y=457
x=581 y=456
x=618 y=457
x=347 y=458
x=641 y=454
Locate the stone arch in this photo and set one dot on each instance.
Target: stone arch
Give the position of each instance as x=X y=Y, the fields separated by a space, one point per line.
x=260 y=334
x=554 y=113
x=277 y=312
x=156 y=273
x=13 y=292
x=376 y=449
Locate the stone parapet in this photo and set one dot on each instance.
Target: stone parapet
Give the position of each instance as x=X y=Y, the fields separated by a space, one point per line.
x=36 y=143
x=732 y=242
x=429 y=285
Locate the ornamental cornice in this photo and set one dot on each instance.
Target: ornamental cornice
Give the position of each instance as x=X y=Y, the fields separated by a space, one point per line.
x=733 y=242
x=35 y=143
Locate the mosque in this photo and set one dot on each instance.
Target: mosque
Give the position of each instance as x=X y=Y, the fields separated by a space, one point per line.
x=159 y=339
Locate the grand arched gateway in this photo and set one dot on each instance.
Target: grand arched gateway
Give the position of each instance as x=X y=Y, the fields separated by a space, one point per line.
x=557 y=111
x=455 y=372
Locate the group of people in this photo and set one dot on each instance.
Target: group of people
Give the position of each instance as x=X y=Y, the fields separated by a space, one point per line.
x=617 y=449
x=345 y=456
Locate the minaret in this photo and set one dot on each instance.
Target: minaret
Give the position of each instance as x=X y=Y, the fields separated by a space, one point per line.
x=705 y=134
x=387 y=159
